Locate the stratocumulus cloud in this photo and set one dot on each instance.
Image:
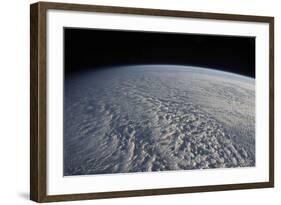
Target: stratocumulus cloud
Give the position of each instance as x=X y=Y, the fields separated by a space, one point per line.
x=157 y=118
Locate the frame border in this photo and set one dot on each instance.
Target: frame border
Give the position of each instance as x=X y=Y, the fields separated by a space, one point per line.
x=38 y=95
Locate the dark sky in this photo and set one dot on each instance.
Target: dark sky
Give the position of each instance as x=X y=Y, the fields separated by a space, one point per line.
x=95 y=49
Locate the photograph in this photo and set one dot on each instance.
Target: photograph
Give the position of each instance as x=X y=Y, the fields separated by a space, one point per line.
x=129 y=101
x=148 y=101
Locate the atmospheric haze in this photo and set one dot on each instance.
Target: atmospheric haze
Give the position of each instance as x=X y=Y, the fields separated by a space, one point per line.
x=157 y=118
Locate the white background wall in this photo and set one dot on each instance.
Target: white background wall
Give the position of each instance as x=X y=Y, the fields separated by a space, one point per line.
x=14 y=103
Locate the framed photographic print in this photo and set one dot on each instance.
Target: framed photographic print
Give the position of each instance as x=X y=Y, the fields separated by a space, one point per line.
x=134 y=102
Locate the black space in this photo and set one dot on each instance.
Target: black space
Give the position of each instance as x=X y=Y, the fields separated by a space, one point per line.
x=96 y=49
